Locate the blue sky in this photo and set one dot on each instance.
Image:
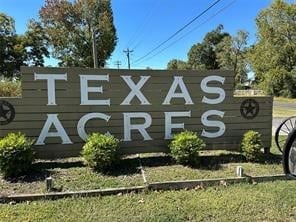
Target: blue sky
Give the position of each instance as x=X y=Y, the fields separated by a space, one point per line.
x=143 y=24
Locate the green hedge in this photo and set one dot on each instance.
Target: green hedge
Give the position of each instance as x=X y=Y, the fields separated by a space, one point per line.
x=16 y=154
x=100 y=151
x=185 y=147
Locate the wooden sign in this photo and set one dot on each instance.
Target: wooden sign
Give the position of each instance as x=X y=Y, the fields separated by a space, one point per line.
x=143 y=108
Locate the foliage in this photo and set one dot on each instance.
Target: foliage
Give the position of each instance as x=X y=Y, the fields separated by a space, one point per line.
x=10 y=88
x=100 y=151
x=16 y=154
x=231 y=55
x=273 y=57
x=69 y=26
x=36 y=44
x=176 y=64
x=19 y=50
x=11 y=50
x=204 y=55
x=251 y=145
x=185 y=146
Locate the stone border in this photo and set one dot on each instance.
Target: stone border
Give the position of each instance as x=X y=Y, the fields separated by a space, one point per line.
x=168 y=185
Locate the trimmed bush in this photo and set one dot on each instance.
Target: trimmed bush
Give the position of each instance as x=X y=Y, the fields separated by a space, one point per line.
x=185 y=146
x=100 y=151
x=16 y=154
x=251 y=145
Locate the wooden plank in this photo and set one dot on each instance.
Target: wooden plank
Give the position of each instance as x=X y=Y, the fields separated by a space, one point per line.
x=75 y=116
x=62 y=151
x=73 y=72
x=32 y=109
x=158 y=120
x=189 y=80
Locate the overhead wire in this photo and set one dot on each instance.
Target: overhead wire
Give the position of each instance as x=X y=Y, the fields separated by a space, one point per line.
x=139 y=30
x=178 y=31
x=189 y=32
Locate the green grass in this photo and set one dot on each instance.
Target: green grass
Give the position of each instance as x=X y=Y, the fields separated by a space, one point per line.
x=71 y=174
x=221 y=166
x=284 y=111
x=286 y=100
x=273 y=201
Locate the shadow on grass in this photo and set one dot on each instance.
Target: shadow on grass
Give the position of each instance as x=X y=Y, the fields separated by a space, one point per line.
x=156 y=161
x=129 y=166
x=124 y=167
x=208 y=162
x=32 y=175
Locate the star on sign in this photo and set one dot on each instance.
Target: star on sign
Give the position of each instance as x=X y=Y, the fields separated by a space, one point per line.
x=4 y=112
x=249 y=108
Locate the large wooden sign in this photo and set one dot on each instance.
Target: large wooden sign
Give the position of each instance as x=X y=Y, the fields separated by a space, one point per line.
x=143 y=108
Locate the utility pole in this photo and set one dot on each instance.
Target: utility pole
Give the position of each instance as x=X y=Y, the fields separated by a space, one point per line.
x=94 y=49
x=128 y=53
x=117 y=63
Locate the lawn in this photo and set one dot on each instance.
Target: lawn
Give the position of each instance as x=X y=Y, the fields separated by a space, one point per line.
x=284 y=107
x=71 y=175
x=273 y=201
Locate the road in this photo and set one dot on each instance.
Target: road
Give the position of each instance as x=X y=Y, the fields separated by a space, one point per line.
x=285 y=105
x=290 y=107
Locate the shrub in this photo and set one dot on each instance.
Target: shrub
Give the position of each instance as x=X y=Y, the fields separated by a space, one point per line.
x=16 y=154
x=185 y=146
x=100 y=151
x=251 y=145
x=10 y=88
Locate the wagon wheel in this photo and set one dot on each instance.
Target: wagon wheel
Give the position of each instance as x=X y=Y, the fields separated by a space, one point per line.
x=283 y=131
x=289 y=155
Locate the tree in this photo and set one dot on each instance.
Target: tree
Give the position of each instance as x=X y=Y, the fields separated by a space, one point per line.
x=232 y=55
x=69 y=26
x=204 y=55
x=9 y=57
x=35 y=42
x=20 y=50
x=273 y=57
x=176 y=64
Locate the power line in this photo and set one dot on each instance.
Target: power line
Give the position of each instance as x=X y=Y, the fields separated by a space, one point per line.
x=117 y=63
x=192 y=30
x=128 y=53
x=141 y=26
x=178 y=31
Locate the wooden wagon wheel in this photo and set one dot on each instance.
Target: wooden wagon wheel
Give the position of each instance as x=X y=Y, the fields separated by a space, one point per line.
x=289 y=155
x=283 y=131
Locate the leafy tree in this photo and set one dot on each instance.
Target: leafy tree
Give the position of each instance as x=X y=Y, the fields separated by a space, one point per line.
x=8 y=41
x=273 y=57
x=204 y=55
x=35 y=41
x=69 y=26
x=232 y=55
x=175 y=64
x=19 y=50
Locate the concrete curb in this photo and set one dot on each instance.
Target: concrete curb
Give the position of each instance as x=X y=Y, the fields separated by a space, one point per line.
x=81 y=193
x=168 y=185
